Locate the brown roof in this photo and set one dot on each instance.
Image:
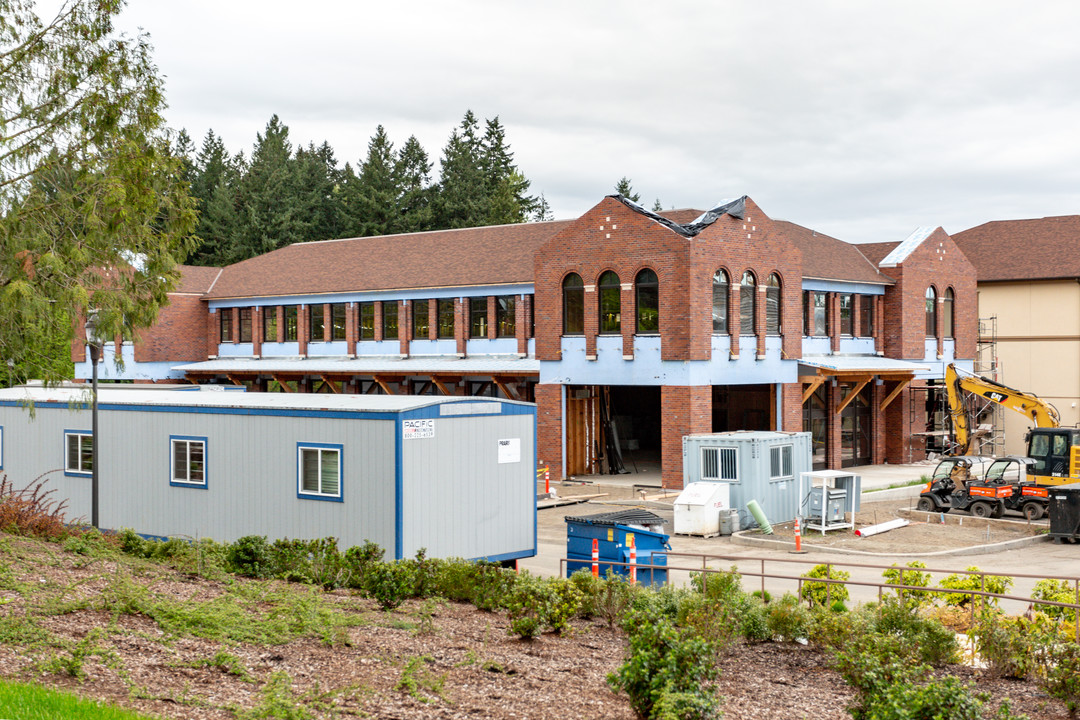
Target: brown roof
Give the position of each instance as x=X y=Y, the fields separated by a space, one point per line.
x=196 y=279
x=494 y=255
x=827 y=258
x=876 y=252
x=1038 y=249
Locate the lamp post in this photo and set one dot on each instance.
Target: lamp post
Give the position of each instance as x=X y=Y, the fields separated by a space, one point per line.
x=94 y=341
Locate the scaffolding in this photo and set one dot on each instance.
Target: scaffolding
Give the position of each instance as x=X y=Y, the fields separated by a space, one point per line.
x=989 y=416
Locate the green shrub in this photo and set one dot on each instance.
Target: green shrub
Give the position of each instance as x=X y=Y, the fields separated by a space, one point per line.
x=836 y=631
x=539 y=604
x=824 y=593
x=1055 y=591
x=787 y=619
x=993 y=583
x=762 y=595
x=425 y=572
x=1006 y=644
x=249 y=556
x=948 y=698
x=912 y=577
x=718 y=585
x=669 y=672
x=754 y=621
x=358 y=559
x=924 y=639
x=390 y=583
x=1059 y=670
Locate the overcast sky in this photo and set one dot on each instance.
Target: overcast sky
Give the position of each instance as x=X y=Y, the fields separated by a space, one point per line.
x=859 y=119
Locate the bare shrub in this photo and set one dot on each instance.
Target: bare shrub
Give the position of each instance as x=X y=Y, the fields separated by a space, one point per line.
x=31 y=511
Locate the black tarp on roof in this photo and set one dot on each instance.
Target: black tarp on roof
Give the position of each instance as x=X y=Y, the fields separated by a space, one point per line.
x=634 y=516
x=735 y=208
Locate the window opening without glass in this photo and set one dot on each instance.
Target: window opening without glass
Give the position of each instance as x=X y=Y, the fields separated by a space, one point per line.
x=719 y=464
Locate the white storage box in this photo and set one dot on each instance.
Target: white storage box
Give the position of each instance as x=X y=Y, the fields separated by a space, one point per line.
x=698 y=508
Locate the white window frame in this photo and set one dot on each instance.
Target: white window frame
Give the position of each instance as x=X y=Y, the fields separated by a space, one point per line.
x=319 y=448
x=789 y=456
x=188 y=441
x=79 y=436
x=722 y=463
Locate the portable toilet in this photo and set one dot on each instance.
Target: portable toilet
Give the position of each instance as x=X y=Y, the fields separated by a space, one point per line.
x=699 y=507
x=613 y=532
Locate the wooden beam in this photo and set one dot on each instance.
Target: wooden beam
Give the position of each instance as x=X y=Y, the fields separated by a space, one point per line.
x=439 y=384
x=383 y=384
x=896 y=391
x=815 y=383
x=233 y=379
x=282 y=382
x=854 y=391
x=331 y=383
x=804 y=379
x=508 y=390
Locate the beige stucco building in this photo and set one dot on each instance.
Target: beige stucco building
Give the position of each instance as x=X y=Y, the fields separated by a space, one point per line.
x=1029 y=305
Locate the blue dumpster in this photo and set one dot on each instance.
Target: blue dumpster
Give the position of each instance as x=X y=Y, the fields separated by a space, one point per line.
x=612 y=531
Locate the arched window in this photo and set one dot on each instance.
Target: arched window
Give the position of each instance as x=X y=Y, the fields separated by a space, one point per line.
x=719 y=302
x=610 y=304
x=747 y=303
x=647 y=301
x=931 y=316
x=772 y=305
x=573 y=305
x=947 y=314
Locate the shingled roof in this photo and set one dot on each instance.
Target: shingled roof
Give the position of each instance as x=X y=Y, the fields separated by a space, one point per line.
x=876 y=252
x=494 y=255
x=1039 y=249
x=196 y=280
x=826 y=258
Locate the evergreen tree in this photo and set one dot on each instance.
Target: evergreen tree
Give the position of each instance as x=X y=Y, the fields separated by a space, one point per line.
x=215 y=186
x=624 y=188
x=317 y=192
x=543 y=210
x=656 y=206
x=378 y=189
x=462 y=197
x=413 y=172
x=270 y=212
x=506 y=187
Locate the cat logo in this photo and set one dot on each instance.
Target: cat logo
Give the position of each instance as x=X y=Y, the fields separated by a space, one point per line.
x=996 y=396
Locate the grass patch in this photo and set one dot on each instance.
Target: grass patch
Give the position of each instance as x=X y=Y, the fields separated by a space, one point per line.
x=919 y=481
x=33 y=702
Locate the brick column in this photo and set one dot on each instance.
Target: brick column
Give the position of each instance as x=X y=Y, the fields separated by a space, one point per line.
x=856 y=316
x=684 y=410
x=302 y=331
x=832 y=304
x=404 y=325
x=790 y=407
x=351 y=330
x=213 y=333
x=521 y=333
x=280 y=310
x=592 y=320
x=256 y=330
x=759 y=318
x=432 y=319
x=879 y=323
x=492 y=330
x=378 y=321
x=832 y=399
x=461 y=325
x=734 y=315
x=877 y=423
x=327 y=323
x=939 y=322
x=549 y=428
x=628 y=313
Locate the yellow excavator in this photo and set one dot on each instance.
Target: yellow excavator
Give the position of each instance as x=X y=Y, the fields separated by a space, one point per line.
x=1055 y=450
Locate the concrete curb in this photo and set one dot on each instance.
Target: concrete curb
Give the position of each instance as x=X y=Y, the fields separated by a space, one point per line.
x=742 y=538
x=892 y=493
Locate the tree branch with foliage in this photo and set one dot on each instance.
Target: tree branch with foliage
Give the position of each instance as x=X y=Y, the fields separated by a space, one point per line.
x=93 y=207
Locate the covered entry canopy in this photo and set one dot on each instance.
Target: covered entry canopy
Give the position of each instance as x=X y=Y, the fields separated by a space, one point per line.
x=858 y=370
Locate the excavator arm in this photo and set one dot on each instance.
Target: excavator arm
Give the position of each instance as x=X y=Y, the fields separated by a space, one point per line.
x=958 y=382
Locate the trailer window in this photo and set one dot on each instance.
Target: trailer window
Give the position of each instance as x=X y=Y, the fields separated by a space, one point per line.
x=319 y=471
x=780 y=463
x=80 y=452
x=719 y=464
x=188 y=461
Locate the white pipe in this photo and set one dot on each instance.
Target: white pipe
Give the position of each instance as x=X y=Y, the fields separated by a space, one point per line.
x=882 y=527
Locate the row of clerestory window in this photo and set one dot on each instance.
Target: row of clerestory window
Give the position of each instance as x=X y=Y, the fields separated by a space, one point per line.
x=320 y=317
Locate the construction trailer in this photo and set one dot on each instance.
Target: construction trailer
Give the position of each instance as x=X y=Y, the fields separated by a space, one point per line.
x=757 y=465
x=453 y=475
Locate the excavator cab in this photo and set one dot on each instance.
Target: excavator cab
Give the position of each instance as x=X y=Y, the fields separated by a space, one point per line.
x=1052 y=451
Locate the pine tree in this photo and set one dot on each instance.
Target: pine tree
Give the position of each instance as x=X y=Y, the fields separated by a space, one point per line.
x=269 y=205
x=317 y=201
x=378 y=189
x=624 y=188
x=413 y=172
x=506 y=186
x=656 y=206
x=215 y=186
x=543 y=210
x=462 y=197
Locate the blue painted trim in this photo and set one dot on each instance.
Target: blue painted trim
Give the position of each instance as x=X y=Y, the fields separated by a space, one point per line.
x=343 y=414
x=399 y=489
x=301 y=494
x=507 y=556
x=1 y=447
x=843 y=286
x=532 y=493
x=204 y=485
x=371 y=296
x=76 y=473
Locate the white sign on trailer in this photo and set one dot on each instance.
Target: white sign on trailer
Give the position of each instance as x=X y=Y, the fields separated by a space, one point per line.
x=417 y=429
x=510 y=450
